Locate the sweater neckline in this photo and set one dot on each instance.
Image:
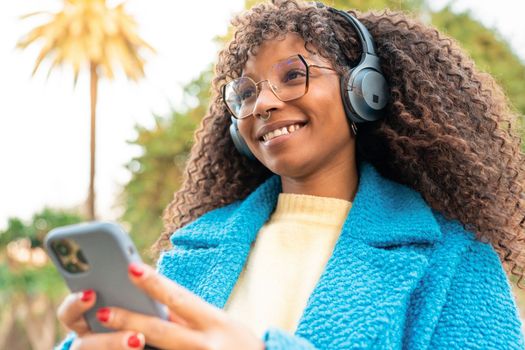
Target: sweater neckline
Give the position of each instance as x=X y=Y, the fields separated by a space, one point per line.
x=324 y=210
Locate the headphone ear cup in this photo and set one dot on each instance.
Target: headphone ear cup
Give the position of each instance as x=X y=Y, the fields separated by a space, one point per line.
x=238 y=140
x=367 y=94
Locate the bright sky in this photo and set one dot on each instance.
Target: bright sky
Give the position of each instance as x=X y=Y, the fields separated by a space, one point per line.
x=44 y=124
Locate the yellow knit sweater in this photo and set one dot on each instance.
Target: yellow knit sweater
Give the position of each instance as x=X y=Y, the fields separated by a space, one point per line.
x=286 y=261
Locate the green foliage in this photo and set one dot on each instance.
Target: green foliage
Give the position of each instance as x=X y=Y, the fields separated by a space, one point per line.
x=490 y=52
x=38 y=227
x=17 y=278
x=30 y=281
x=157 y=173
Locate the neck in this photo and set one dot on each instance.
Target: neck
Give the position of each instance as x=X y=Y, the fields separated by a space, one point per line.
x=338 y=181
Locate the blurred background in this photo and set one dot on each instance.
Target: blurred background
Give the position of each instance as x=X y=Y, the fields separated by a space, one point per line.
x=145 y=68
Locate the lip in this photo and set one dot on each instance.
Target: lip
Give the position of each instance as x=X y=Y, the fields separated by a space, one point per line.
x=277 y=125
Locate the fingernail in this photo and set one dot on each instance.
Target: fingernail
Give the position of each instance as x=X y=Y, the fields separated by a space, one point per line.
x=87 y=295
x=135 y=269
x=134 y=341
x=103 y=314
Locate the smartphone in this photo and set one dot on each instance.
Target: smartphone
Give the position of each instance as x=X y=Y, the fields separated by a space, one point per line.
x=96 y=255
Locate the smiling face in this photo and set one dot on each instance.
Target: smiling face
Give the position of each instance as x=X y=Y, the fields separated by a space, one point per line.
x=319 y=139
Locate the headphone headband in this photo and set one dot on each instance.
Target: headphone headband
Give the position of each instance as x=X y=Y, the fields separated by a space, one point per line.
x=364 y=35
x=367 y=42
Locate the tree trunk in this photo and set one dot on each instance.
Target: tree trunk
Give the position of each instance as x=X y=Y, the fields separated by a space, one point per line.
x=7 y=322
x=93 y=90
x=40 y=322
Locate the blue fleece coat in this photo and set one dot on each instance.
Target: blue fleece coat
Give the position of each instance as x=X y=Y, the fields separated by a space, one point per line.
x=401 y=276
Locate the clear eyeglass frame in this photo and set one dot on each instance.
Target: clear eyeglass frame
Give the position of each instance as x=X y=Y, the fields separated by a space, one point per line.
x=230 y=85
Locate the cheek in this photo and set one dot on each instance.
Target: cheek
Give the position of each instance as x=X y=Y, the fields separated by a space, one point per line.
x=245 y=129
x=326 y=91
x=327 y=105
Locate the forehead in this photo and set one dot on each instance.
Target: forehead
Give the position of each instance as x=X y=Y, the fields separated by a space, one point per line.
x=274 y=50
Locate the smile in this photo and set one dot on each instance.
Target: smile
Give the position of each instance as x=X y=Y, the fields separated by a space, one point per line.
x=281 y=132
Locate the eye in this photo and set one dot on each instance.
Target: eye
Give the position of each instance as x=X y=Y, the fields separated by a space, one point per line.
x=294 y=74
x=246 y=93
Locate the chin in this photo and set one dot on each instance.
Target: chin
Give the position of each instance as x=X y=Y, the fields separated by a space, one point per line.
x=287 y=168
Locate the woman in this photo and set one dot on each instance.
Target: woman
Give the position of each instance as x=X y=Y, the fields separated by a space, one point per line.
x=311 y=218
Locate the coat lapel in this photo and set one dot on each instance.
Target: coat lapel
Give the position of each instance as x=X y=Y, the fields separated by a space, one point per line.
x=362 y=297
x=210 y=252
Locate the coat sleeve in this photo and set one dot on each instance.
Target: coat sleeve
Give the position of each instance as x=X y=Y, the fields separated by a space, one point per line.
x=277 y=339
x=66 y=343
x=479 y=312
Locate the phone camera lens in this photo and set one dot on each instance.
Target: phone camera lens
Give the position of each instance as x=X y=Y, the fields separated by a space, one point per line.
x=71 y=267
x=62 y=248
x=81 y=257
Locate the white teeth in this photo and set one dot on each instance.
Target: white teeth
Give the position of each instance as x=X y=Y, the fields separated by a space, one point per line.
x=283 y=131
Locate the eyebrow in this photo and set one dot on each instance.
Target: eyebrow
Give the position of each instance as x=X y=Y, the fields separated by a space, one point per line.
x=279 y=60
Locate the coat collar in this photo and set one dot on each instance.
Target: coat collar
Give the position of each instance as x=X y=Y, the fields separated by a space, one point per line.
x=383 y=213
x=362 y=297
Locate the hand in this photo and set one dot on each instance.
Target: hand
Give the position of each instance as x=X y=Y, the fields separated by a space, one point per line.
x=193 y=323
x=70 y=314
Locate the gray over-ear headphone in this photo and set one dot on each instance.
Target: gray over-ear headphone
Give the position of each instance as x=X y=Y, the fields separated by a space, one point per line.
x=364 y=89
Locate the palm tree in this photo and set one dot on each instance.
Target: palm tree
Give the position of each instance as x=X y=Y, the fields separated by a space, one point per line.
x=89 y=33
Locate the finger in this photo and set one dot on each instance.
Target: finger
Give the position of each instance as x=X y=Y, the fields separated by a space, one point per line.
x=71 y=312
x=178 y=299
x=173 y=317
x=125 y=340
x=159 y=333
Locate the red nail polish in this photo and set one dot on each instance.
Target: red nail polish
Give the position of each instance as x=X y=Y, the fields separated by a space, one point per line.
x=103 y=314
x=87 y=295
x=134 y=341
x=135 y=269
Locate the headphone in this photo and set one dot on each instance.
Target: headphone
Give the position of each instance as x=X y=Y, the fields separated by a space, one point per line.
x=364 y=89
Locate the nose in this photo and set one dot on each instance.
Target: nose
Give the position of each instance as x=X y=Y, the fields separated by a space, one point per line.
x=266 y=101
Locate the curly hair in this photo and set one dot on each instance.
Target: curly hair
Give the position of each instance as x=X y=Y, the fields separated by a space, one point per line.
x=448 y=131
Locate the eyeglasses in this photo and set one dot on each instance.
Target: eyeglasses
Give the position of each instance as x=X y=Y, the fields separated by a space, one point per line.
x=288 y=80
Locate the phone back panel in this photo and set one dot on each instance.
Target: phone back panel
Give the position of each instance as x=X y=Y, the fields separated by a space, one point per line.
x=108 y=251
